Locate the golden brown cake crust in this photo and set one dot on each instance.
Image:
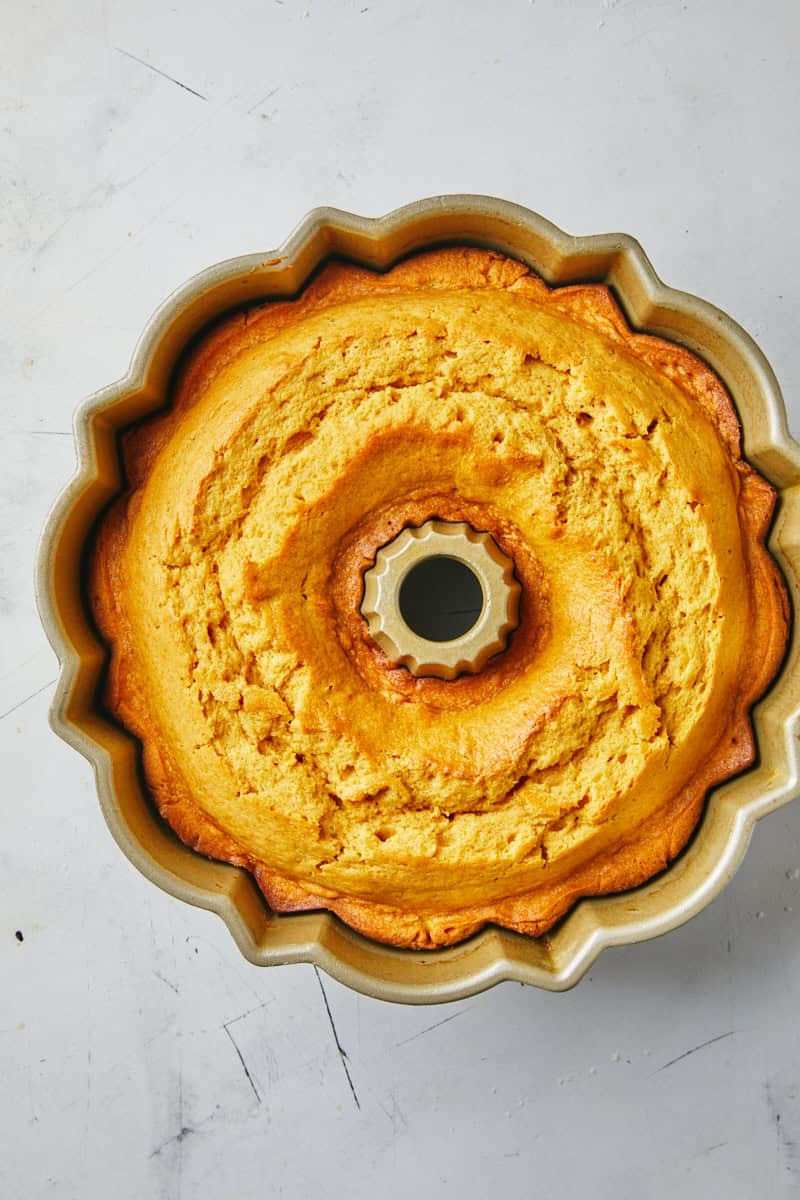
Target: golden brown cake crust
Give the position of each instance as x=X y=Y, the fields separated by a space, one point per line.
x=623 y=861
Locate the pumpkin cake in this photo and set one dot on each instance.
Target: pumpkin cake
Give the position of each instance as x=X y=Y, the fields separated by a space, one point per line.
x=304 y=436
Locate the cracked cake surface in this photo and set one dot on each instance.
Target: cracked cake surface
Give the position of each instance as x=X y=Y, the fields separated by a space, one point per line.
x=304 y=435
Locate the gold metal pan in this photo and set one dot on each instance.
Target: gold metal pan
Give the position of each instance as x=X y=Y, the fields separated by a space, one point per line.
x=558 y=960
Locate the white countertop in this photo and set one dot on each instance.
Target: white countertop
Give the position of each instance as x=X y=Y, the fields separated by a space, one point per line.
x=140 y=1055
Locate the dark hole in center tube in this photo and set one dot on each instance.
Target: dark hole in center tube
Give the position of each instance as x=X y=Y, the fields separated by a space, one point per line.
x=440 y=598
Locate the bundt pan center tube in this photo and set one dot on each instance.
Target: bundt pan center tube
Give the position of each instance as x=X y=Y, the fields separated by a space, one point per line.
x=433 y=777
x=441 y=599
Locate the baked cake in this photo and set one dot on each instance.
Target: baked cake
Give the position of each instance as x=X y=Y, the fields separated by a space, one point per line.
x=303 y=436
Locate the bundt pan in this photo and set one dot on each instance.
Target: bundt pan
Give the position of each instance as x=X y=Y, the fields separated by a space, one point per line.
x=557 y=960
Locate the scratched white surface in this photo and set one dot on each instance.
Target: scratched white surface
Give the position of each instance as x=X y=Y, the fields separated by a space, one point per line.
x=140 y=1056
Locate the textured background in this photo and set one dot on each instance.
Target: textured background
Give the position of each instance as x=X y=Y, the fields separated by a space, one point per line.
x=140 y=1056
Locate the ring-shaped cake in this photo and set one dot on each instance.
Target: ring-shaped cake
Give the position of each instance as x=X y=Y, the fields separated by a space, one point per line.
x=304 y=436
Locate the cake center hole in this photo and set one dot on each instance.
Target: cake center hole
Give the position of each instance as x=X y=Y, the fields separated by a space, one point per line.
x=440 y=598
